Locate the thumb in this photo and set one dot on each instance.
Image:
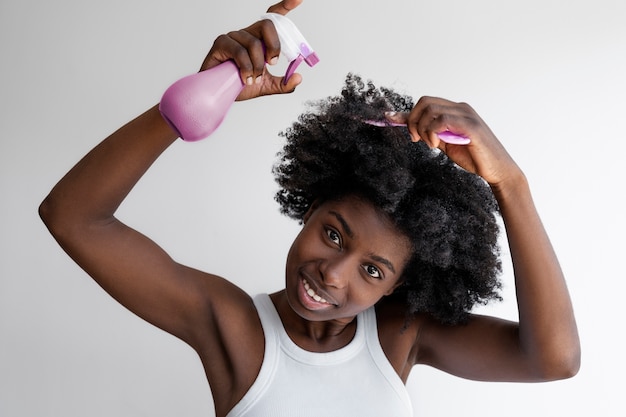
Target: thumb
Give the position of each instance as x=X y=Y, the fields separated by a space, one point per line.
x=284 y=6
x=274 y=85
x=291 y=83
x=402 y=118
x=394 y=117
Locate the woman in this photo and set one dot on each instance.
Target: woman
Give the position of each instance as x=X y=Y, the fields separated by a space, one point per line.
x=397 y=244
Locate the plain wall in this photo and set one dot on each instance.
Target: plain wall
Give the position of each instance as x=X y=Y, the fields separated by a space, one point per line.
x=548 y=77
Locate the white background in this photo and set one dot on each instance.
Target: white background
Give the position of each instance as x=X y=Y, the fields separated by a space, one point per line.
x=547 y=75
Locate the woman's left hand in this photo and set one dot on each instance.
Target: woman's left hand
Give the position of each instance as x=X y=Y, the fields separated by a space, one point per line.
x=484 y=155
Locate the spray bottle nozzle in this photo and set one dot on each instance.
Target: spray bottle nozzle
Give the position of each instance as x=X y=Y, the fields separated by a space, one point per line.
x=292 y=43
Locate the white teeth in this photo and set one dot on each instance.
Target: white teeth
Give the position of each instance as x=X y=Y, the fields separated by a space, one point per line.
x=313 y=294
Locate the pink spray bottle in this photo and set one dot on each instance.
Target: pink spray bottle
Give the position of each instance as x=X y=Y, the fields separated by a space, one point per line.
x=195 y=105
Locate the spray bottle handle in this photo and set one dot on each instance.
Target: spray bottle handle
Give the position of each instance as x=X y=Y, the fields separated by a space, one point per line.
x=292 y=43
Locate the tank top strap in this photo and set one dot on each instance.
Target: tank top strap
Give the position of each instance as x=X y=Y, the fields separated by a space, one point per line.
x=270 y=321
x=375 y=349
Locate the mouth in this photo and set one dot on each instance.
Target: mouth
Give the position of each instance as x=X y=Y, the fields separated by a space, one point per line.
x=311 y=298
x=311 y=293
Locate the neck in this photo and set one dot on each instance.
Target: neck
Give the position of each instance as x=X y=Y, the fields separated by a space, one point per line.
x=314 y=336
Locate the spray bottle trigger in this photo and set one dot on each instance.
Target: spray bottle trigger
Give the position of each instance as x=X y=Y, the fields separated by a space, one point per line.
x=311 y=59
x=291 y=69
x=293 y=45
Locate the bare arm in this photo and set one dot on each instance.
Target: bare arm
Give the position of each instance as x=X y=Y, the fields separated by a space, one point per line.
x=80 y=210
x=544 y=344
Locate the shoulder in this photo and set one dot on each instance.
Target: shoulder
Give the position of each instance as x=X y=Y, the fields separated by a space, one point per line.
x=229 y=313
x=398 y=335
x=229 y=341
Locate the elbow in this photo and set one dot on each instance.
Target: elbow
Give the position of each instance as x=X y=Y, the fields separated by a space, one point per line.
x=52 y=215
x=563 y=364
x=571 y=363
x=567 y=356
x=564 y=370
x=47 y=212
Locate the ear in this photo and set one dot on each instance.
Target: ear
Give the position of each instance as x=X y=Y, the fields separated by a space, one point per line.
x=310 y=211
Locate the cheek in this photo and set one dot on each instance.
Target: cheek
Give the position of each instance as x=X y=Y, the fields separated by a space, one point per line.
x=298 y=245
x=302 y=250
x=367 y=294
x=364 y=294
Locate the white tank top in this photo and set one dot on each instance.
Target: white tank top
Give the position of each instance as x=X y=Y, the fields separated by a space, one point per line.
x=356 y=380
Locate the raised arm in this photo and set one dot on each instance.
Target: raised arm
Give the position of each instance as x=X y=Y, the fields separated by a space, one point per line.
x=544 y=345
x=80 y=209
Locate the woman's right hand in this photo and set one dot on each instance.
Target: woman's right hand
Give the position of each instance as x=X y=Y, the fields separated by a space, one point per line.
x=484 y=155
x=251 y=49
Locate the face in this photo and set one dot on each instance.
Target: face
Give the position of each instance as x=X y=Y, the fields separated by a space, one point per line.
x=346 y=258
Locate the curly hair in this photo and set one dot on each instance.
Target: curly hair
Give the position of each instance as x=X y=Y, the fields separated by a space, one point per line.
x=448 y=213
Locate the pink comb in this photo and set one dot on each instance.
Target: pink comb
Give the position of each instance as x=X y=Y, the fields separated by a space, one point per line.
x=446 y=135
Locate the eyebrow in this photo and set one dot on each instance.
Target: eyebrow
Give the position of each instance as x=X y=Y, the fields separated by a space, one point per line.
x=344 y=223
x=384 y=261
x=350 y=233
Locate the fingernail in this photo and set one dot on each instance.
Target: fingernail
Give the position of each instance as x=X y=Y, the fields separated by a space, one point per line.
x=390 y=113
x=249 y=80
x=274 y=61
x=258 y=79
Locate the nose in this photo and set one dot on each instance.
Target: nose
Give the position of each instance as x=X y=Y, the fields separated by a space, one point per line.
x=336 y=271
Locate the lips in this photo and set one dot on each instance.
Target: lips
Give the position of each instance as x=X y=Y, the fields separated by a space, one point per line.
x=312 y=297
x=312 y=293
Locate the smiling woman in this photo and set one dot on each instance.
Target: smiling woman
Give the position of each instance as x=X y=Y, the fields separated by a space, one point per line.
x=398 y=243
x=349 y=254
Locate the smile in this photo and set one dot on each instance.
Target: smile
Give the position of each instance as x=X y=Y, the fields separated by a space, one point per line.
x=312 y=293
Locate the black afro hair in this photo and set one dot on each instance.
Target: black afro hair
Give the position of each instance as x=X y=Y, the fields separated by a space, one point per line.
x=449 y=214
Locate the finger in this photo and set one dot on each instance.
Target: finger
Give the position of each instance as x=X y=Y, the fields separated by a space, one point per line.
x=219 y=52
x=271 y=85
x=429 y=123
x=403 y=118
x=291 y=84
x=249 y=55
x=284 y=6
x=431 y=116
x=276 y=85
x=266 y=30
x=421 y=116
x=396 y=117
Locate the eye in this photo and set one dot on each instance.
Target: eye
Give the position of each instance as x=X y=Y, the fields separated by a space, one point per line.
x=372 y=271
x=334 y=237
